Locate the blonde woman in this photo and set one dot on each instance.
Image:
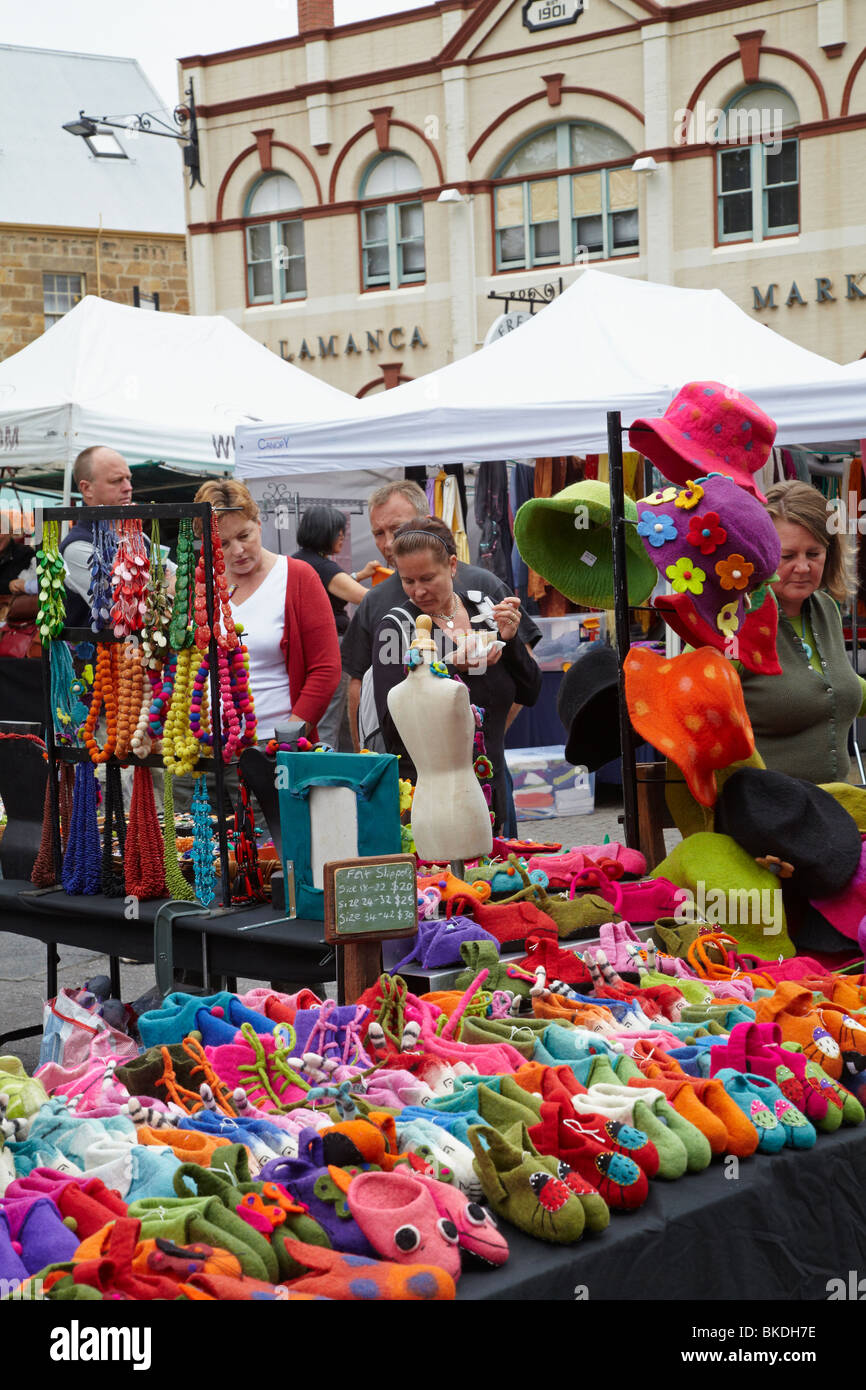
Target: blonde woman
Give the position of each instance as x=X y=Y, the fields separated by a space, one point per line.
x=287 y=616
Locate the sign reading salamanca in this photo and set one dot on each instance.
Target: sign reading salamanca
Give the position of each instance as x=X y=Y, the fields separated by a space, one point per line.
x=546 y=14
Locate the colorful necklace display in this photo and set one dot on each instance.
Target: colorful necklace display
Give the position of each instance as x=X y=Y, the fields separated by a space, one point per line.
x=236 y=702
x=181 y=629
x=224 y=629
x=82 y=862
x=51 y=614
x=129 y=579
x=158 y=606
x=180 y=747
x=101 y=565
x=115 y=823
x=104 y=691
x=202 y=849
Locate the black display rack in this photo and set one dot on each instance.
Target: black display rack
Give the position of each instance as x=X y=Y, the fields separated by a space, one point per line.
x=159 y=511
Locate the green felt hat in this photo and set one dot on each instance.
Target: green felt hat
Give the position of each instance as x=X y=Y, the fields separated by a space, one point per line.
x=568 y=541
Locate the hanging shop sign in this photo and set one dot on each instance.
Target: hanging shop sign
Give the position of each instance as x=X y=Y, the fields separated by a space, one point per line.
x=505 y=324
x=547 y=14
x=318 y=347
x=824 y=292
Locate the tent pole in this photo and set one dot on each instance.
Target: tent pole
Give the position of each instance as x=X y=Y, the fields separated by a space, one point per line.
x=620 y=610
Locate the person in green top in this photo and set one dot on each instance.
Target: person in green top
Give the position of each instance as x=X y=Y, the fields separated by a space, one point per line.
x=802 y=719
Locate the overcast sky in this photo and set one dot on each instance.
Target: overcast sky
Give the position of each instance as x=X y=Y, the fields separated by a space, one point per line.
x=161 y=31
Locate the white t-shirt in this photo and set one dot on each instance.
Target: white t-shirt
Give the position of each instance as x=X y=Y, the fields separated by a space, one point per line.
x=263 y=615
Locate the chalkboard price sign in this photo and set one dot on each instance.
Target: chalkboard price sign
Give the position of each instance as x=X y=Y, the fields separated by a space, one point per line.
x=371 y=899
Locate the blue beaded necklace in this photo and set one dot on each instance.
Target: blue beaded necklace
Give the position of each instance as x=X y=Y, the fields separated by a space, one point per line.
x=82 y=862
x=105 y=541
x=202 y=848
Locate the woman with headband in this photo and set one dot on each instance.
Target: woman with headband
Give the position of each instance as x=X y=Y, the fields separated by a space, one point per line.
x=497 y=676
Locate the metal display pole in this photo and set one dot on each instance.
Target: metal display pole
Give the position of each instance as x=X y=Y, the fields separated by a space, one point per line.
x=51 y=748
x=620 y=610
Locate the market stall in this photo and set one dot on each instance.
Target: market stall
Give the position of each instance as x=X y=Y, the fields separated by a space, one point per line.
x=568 y=1059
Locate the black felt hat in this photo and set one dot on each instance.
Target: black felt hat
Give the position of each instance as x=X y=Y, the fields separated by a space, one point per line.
x=797 y=822
x=588 y=705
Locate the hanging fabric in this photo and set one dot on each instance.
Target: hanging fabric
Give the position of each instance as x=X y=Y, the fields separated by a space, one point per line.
x=493 y=520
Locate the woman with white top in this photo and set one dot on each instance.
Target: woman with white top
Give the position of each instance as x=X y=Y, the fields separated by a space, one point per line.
x=288 y=621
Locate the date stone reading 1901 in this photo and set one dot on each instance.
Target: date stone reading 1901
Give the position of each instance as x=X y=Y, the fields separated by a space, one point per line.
x=546 y=14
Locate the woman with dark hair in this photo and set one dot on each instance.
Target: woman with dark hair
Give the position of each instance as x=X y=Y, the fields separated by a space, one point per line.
x=321 y=534
x=802 y=719
x=477 y=639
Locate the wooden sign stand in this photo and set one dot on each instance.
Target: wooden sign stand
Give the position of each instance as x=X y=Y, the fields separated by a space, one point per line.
x=367 y=901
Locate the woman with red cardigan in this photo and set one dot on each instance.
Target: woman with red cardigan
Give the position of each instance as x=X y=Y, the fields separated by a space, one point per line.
x=288 y=620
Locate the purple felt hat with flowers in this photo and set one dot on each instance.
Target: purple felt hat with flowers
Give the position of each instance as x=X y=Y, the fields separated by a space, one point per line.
x=716 y=545
x=707 y=428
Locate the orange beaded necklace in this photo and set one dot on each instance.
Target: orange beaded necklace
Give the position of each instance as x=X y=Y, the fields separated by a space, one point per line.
x=104 y=691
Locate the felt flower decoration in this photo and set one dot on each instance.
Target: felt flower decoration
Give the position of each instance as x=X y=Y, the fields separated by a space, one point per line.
x=705 y=532
x=728 y=618
x=734 y=572
x=657 y=499
x=657 y=527
x=686 y=577
x=690 y=496
x=777 y=866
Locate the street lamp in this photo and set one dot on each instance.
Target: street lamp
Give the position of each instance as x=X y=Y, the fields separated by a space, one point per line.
x=183 y=116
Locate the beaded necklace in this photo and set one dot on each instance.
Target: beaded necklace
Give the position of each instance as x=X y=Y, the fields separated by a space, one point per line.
x=181 y=630
x=162 y=686
x=158 y=605
x=144 y=872
x=175 y=882
x=247 y=886
x=82 y=862
x=130 y=687
x=52 y=571
x=180 y=749
x=115 y=823
x=224 y=630
x=104 y=690
x=67 y=708
x=43 y=875
x=101 y=564
x=202 y=847
x=129 y=579
x=236 y=702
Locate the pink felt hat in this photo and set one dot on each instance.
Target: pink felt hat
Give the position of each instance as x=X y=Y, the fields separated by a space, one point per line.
x=707 y=428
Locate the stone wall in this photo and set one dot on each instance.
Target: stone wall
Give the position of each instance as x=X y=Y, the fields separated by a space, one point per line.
x=157 y=264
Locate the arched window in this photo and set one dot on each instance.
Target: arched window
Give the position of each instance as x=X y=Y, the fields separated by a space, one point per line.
x=758 y=174
x=276 y=267
x=586 y=208
x=392 y=228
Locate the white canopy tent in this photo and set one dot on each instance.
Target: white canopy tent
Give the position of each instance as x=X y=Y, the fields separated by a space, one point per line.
x=607 y=343
x=158 y=387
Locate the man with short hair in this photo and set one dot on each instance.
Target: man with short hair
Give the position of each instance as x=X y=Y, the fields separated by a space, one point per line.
x=389 y=507
x=103 y=478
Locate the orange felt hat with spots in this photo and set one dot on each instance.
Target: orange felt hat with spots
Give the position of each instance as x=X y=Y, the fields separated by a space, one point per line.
x=691 y=708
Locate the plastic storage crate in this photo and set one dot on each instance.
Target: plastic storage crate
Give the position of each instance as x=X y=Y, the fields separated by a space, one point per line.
x=545 y=785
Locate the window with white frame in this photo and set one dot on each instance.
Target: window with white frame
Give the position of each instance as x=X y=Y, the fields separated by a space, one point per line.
x=759 y=173
x=60 y=293
x=574 y=214
x=392 y=229
x=276 y=263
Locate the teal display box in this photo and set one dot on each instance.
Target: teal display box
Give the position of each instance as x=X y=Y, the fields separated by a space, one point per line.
x=333 y=806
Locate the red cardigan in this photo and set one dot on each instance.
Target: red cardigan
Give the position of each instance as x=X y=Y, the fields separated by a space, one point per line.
x=309 y=646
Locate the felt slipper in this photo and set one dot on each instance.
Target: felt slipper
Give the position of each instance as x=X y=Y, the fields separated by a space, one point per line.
x=523 y=1191
x=617 y=1178
x=595 y=1209
x=852 y=1111
x=478 y=1236
x=748 y=1093
x=402 y=1222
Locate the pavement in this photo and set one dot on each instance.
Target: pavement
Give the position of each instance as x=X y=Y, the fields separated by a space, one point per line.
x=22 y=962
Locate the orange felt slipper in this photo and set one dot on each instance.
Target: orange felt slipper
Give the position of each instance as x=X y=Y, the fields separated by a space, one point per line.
x=816 y=1029
x=531 y=1076
x=683 y=1099
x=189 y=1145
x=742 y=1136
